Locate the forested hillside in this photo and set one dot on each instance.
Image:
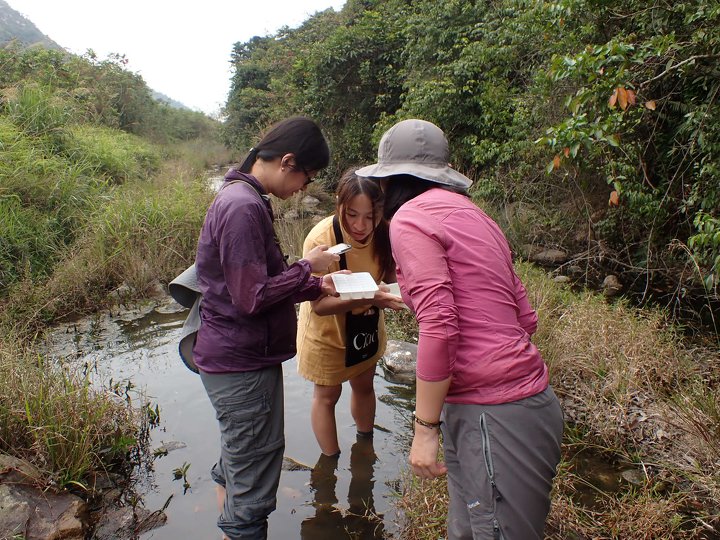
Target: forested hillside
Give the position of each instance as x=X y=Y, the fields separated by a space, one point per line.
x=592 y=124
x=14 y=26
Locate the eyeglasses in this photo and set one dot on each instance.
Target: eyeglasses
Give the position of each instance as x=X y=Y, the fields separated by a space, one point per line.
x=308 y=179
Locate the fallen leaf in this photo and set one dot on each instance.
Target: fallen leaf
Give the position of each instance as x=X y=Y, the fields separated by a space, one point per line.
x=556 y=162
x=614 y=199
x=650 y=105
x=613 y=99
x=566 y=151
x=622 y=97
x=631 y=97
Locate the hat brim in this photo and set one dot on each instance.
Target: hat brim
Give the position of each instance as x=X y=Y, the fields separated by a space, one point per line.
x=185 y=348
x=438 y=173
x=185 y=289
x=188 y=335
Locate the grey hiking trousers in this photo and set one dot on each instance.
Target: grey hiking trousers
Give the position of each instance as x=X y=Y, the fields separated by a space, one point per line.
x=250 y=411
x=501 y=461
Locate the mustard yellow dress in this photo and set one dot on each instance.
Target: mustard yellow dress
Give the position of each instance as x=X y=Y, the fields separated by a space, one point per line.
x=321 y=339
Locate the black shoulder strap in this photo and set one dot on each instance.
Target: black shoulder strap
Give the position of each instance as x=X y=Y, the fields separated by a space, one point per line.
x=339 y=239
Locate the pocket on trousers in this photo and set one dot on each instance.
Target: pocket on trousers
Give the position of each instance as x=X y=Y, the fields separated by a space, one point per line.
x=483 y=524
x=242 y=422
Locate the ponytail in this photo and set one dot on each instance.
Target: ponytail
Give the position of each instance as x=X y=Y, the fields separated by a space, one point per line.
x=299 y=136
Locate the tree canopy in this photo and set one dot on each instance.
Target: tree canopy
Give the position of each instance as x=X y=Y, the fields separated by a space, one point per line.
x=615 y=98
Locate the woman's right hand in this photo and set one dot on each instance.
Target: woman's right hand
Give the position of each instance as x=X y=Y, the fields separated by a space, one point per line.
x=319 y=258
x=424 y=453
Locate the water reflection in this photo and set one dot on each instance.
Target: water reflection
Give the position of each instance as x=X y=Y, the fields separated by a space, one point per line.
x=359 y=520
x=139 y=348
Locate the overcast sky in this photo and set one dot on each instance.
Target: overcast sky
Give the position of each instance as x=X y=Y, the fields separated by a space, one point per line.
x=181 y=49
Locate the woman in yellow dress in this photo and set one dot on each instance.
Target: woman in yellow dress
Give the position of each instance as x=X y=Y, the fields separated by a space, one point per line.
x=342 y=340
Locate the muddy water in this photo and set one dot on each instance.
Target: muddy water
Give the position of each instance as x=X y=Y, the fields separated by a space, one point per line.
x=348 y=499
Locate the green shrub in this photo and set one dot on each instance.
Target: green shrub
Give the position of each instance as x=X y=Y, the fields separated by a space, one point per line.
x=120 y=156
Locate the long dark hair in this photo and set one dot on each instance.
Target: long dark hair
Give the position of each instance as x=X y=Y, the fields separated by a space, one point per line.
x=401 y=188
x=350 y=186
x=297 y=135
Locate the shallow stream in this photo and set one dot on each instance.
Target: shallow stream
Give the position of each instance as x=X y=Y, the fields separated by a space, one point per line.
x=354 y=501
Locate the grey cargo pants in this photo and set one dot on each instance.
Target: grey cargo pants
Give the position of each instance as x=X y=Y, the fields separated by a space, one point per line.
x=250 y=410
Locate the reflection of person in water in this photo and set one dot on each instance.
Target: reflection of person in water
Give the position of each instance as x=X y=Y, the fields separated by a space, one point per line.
x=359 y=520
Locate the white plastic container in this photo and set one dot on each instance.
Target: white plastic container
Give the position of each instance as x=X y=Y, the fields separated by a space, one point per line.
x=355 y=286
x=394 y=288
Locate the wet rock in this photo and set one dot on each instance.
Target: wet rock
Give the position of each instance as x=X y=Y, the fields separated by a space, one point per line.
x=167 y=447
x=155 y=289
x=169 y=307
x=611 y=286
x=123 y=293
x=291 y=215
x=399 y=361
x=39 y=515
x=310 y=203
x=549 y=257
x=126 y=522
x=289 y=464
x=634 y=476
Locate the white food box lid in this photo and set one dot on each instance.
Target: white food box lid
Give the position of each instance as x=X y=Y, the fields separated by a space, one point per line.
x=394 y=288
x=355 y=286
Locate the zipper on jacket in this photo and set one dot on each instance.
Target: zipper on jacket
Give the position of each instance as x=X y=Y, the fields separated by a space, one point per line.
x=267 y=337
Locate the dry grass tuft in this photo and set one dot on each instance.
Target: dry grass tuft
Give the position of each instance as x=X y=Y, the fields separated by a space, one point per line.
x=636 y=398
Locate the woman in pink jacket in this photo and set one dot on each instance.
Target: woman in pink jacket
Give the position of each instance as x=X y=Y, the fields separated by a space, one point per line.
x=479 y=377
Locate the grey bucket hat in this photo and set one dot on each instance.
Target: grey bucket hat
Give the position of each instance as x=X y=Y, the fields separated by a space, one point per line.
x=184 y=288
x=185 y=291
x=418 y=148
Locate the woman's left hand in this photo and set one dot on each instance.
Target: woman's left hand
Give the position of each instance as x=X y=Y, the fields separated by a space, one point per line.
x=386 y=300
x=424 y=453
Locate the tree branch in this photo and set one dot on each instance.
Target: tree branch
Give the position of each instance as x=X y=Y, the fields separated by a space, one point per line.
x=674 y=67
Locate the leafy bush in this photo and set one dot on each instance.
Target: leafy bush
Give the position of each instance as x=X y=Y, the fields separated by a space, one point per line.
x=120 y=156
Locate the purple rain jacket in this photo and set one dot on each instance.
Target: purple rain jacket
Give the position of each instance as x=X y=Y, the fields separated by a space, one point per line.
x=249 y=291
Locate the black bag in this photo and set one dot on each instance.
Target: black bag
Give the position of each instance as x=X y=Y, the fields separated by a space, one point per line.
x=362 y=337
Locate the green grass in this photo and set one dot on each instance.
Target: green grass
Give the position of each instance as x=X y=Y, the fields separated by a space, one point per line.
x=54 y=419
x=115 y=154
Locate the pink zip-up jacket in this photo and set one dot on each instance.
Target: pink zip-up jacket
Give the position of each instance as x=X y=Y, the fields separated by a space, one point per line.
x=455 y=271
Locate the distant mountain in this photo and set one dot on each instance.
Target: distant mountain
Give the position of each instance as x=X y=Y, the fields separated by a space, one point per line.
x=170 y=102
x=13 y=25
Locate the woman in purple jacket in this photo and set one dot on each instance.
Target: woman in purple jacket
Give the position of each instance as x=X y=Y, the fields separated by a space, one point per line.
x=476 y=366
x=248 y=318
